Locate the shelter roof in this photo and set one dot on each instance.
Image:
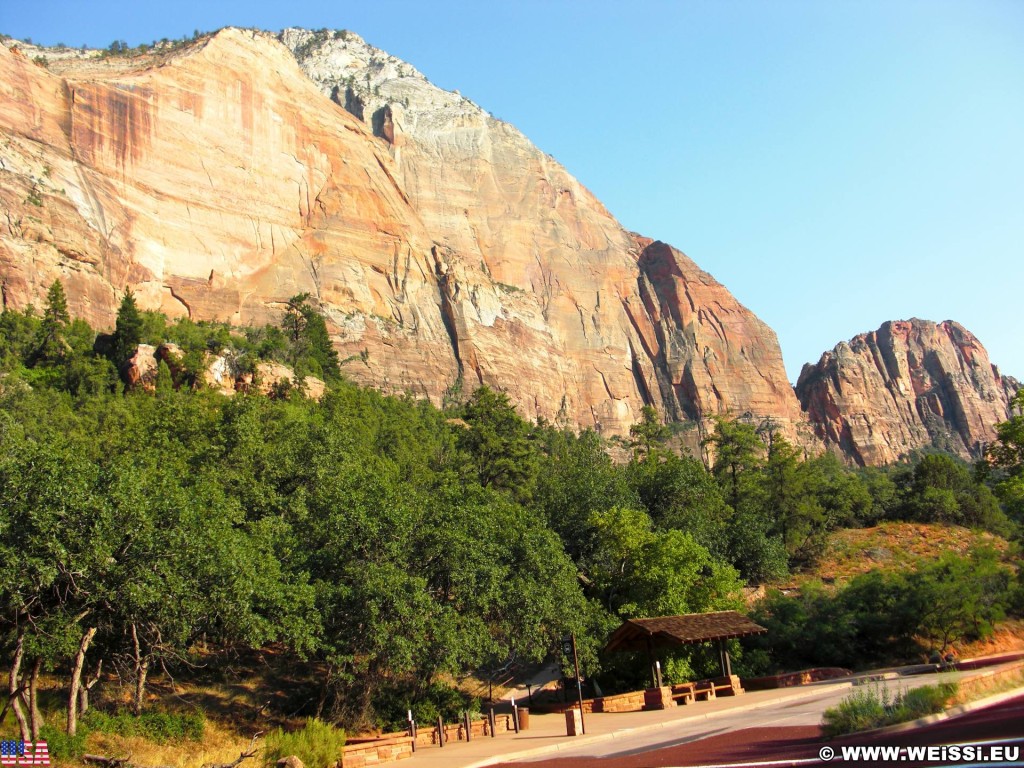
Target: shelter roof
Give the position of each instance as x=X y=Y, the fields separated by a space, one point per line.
x=639 y=634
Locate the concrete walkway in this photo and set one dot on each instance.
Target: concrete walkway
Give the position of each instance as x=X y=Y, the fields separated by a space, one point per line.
x=546 y=734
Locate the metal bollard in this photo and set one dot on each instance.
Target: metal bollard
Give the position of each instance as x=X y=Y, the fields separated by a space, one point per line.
x=440 y=731
x=490 y=721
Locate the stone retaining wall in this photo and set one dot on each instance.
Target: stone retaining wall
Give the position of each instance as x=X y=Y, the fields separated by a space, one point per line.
x=361 y=751
x=791 y=679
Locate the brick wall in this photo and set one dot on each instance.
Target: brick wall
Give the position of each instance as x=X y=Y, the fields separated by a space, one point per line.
x=358 y=754
x=633 y=701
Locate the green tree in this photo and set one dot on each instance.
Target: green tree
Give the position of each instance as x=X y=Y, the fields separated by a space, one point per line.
x=1006 y=458
x=957 y=597
x=641 y=572
x=756 y=546
x=942 y=489
x=53 y=553
x=577 y=478
x=127 y=330
x=789 y=487
x=648 y=434
x=884 y=494
x=737 y=452
x=311 y=349
x=679 y=493
x=50 y=344
x=18 y=334
x=499 y=443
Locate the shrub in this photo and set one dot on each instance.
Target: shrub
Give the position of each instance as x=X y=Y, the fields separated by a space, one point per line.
x=160 y=727
x=60 y=745
x=437 y=699
x=862 y=710
x=871 y=707
x=923 y=701
x=317 y=745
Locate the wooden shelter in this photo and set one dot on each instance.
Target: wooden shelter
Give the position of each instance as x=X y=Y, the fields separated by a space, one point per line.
x=688 y=629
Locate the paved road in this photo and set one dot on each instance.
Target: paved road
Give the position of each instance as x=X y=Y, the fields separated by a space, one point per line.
x=805 y=713
x=790 y=735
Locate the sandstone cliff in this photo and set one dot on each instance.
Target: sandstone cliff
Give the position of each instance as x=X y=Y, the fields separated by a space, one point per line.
x=216 y=183
x=220 y=180
x=909 y=385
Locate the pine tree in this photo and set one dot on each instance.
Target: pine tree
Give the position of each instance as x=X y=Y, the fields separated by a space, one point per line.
x=311 y=349
x=128 y=330
x=50 y=344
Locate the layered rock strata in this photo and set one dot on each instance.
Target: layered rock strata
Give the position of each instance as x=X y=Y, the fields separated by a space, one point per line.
x=909 y=385
x=220 y=180
x=547 y=295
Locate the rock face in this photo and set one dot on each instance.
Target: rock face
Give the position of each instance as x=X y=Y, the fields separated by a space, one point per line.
x=556 y=303
x=141 y=368
x=909 y=385
x=220 y=180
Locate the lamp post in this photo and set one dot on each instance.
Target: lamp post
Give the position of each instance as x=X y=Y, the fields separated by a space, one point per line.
x=569 y=649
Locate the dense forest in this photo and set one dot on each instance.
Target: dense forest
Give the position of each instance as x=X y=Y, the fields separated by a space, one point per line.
x=392 y=544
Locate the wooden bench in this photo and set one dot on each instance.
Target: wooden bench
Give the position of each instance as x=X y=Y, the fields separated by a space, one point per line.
x=716 y=686
x=683 y=693
x=704 y=690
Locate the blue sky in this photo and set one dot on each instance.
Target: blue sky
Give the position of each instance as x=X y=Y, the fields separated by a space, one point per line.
x=836 y=164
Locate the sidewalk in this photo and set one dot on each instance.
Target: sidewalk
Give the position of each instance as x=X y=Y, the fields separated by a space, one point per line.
x=546 y=735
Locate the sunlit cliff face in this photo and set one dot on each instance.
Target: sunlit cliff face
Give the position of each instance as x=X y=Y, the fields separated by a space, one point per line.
x=445 y=250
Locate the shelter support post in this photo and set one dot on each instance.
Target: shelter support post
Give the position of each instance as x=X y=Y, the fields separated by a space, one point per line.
x=655 y=666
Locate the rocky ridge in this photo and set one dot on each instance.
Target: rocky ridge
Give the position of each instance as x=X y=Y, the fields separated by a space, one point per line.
x=222 y=372
x=556 y=303
x=909 y=385
x=221 y=178
x=218 y=181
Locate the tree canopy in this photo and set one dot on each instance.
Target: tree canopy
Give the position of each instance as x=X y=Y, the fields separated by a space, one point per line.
x=391 y=543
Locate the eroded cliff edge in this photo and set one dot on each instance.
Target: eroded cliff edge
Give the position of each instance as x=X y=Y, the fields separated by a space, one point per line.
x=909 y=385
x=220 y=180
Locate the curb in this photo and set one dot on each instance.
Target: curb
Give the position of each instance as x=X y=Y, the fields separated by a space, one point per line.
x=524 y=754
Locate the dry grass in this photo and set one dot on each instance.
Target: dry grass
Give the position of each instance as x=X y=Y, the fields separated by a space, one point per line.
x=892 y=546
x=1008 y=636
x=239 y=697
x=991 y=684
x=218 y=745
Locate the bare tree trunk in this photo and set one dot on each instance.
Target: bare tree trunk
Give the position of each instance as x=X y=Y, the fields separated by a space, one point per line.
x=324 y=690
x=87 y=685
x=141 y=672
x=140 y=686
x=14 y=691
x=35 y=717
x=76 y=680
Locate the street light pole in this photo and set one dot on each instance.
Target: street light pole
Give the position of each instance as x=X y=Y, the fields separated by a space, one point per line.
x=579 y=685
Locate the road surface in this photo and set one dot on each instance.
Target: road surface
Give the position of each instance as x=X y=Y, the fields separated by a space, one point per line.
x=791 y=734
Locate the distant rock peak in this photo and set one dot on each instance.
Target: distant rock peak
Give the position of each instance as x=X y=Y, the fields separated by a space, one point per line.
x=911 y=384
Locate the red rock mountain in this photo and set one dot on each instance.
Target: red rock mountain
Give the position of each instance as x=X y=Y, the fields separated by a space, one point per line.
x=908 y=385
x=219 y=179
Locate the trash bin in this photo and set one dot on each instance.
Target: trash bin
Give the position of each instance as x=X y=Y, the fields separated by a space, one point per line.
x=524 y=718
x=573 y=722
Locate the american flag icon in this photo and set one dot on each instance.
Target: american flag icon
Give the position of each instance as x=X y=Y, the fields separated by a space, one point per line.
x=15 y=752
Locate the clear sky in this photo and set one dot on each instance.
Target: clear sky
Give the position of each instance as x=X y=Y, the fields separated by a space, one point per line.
x=835 y=163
